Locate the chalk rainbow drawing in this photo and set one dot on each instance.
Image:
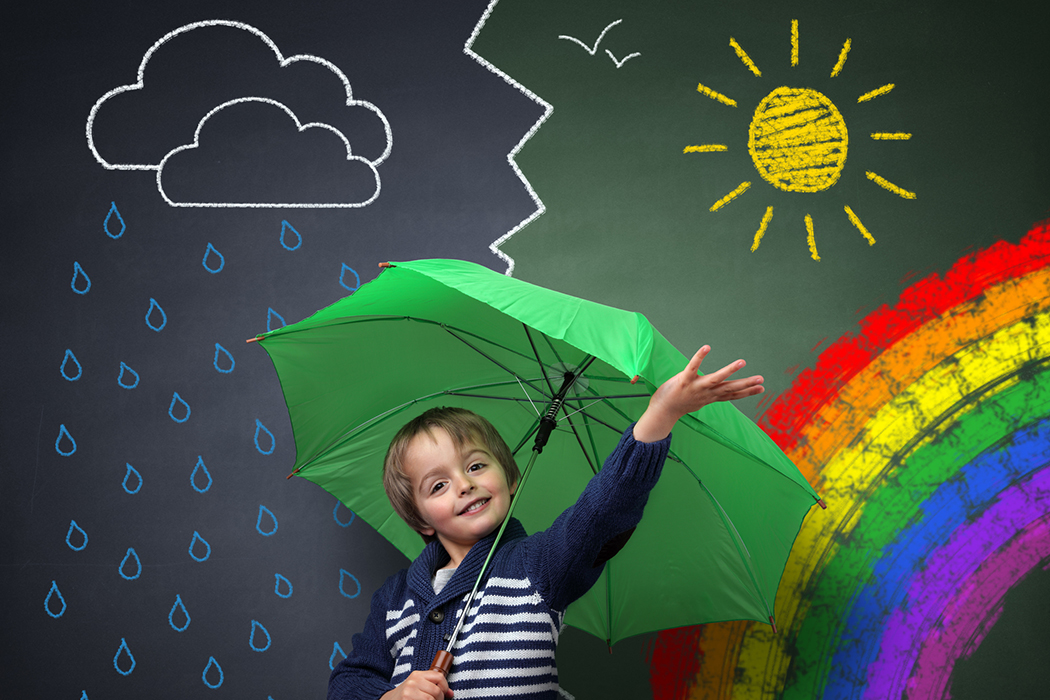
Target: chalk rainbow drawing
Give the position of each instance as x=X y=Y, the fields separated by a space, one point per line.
x=798 y=142
x=928 y=433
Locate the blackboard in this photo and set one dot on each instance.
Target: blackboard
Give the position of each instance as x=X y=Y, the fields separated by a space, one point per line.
x=178 y=179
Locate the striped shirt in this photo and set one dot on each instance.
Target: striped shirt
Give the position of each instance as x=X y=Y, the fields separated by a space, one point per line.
x=506 y=647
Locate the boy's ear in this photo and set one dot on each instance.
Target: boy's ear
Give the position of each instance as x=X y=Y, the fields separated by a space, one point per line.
x=428 y=531
x=513 y=488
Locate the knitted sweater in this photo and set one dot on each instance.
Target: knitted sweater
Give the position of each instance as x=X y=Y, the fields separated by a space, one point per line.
x=506 y=646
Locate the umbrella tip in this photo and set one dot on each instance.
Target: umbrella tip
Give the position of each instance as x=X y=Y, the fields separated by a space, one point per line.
x=253 y=340
x=820 y=502
x=385 y=265
x=773 y=624
x=608 y=643
x=635 y=379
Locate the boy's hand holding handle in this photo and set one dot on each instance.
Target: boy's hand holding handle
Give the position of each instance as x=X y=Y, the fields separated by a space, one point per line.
x=423 y=685
x=687 y=391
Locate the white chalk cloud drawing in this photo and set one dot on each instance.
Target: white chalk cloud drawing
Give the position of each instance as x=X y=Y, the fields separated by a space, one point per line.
x=372 y=164
x=245 y=168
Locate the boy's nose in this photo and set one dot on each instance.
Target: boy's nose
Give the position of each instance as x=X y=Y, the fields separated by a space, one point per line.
x=466 y=485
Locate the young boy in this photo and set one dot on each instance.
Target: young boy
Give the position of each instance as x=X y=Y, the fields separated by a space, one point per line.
x=451 y=477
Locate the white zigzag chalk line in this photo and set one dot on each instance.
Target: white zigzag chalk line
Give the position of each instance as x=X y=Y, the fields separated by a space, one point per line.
x=283 y=62
x=548 y=109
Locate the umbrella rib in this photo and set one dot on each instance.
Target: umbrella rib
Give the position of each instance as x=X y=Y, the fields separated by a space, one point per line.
x=738 y=542
x=537 y=354
x=583 y=449
x=493 y=360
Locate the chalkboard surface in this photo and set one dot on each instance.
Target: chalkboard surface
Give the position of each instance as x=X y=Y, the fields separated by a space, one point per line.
x=178 y=179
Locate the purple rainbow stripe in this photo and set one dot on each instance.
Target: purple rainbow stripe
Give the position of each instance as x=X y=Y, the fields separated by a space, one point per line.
x=975 y=609
x=948 y=514
x=948 y=569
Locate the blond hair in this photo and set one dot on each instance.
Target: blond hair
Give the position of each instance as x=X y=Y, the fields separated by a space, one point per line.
x=461 y=425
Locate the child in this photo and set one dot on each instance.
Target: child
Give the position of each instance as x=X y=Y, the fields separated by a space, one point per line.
x=451 y=477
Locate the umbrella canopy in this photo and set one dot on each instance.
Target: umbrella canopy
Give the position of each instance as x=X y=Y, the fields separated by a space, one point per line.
x=718 y=526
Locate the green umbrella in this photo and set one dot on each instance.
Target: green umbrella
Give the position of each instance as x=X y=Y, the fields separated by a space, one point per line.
x=718 y=526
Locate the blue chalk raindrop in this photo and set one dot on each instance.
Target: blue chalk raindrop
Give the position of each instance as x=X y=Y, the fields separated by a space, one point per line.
x=123 y=650
x=256 y=625
x=342 y=278
x=212 y=664
x=73 y=527
x=343 y=576
x=138 y=565
x=155 y=308
x=180 y=606
x=259 y=429
x=331 y=659
x=211 y=252
x=83 y=695
x=193 y=543
x=128 y=378
x=108 y=224
x=259 y=521
x=47 y=601
x=176 y=399
x=215 y=361
x=277 y=586
x=271 y=316
x=79 y=274
x=132 y=471
x=285 y=228
x=65 y=361
x=64 y=434
x=197 y=471
x=335 y=514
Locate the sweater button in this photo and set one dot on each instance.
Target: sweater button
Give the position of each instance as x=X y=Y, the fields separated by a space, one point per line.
x=436 y=616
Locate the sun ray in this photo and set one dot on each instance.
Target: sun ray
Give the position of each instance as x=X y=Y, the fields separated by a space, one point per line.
x=731 y=196
x=842 y=58
x=855 y=220
x=886 y=184
x=875 y=93
x=701 y=88
x=890 y=136
x=706 y=148
x=762 y=228
x=810 y=238
x=744 y=57
x=794 y=42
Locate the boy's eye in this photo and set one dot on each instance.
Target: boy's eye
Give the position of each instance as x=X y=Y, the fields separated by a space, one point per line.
x=476 y=466
x=437 y=487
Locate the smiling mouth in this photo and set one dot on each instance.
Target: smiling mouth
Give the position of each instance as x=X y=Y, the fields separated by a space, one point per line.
x=476 y=505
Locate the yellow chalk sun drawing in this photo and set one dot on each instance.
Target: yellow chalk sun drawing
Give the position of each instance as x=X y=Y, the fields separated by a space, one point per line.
x=798 y=142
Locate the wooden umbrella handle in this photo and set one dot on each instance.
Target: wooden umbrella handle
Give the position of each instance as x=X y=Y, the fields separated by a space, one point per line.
x=442 y=662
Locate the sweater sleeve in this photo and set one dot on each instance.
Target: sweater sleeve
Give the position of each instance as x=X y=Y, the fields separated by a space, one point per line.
x=563 y=559
x=365 y=674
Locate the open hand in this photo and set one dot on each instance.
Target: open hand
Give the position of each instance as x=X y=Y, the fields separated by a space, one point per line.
x=688 y=391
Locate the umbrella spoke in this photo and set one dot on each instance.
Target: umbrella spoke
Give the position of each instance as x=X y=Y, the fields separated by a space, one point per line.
x=491 y=359
x=538 y=360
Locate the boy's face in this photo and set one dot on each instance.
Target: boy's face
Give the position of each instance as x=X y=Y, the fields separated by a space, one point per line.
x=460 y=490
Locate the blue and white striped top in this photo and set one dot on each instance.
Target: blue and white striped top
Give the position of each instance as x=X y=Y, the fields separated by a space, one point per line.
x=507 y=644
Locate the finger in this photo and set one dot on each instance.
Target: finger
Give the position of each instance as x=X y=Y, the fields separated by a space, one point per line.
x=723 y=374
x=698 y=357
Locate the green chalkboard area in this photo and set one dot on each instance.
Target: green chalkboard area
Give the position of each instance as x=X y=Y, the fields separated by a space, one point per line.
x=642 y=164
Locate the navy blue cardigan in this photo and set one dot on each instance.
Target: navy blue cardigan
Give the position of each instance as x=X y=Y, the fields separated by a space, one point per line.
x=506 y=646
